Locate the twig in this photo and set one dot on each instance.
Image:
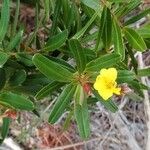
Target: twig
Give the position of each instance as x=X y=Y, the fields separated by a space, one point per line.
x=80 y=143
x=146 y=101
x=123 y=128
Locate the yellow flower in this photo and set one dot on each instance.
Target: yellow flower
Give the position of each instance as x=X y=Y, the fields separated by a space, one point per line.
x=106 y=84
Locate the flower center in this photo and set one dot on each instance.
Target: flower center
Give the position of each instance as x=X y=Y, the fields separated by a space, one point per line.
x=110 y=85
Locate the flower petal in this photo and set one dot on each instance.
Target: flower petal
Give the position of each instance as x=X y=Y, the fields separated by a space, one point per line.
x=100 y=83
x=110 y=74
x=117 y=91
x=105 y=94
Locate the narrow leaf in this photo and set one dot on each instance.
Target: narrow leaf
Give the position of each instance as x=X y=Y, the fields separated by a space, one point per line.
x=56 y=14
x=118 y=40
x=105 y=29
x=135 y=40
x=15 y=41
x=2 y=78
x=125 y=76
x=3 y=58
x=51 y=69
x=88 y=24
x=133 y=59
x=5 y=14
x=16 y=101
x=107 y=32
x=78 y=54
x=63 y=63
x=137 y=17
x=18 y=78
x=56 y=41
x=68 y=120
x=144 y=72
x=48 y=89
x=125 y=8
x=82 y=119
x=25 y=58
x=103 y=62
x=61 y=103
x=144 y=32
x=5 y=128
x=94 y=4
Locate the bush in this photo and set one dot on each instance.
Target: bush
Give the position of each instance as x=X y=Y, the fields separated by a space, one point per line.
x=98 y=36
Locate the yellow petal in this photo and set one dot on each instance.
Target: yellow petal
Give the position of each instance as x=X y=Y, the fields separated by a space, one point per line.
x=110 y=74
x=117 y=91
x=100 y=83
x=103 y=71
x=105 y=94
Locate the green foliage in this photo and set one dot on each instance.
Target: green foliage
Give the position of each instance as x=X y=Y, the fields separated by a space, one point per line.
x=56 y=41
x=103 y=62
x=78 y=54
x=16 y=101
x=109 y=104
x=80 y=38
x=119 y=47
x=82 y=119
x=4 y=57
x=135 y=39
x=51 y=69
x=5 y=14
x=61 y=103
x=5 y=129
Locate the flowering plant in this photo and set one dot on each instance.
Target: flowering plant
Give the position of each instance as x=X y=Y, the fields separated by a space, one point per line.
x=86 y=53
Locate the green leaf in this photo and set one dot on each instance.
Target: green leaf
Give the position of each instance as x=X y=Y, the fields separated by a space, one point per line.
x=109 y=104
x=118 y=40
x=68 y=120
x=2 y=78
x=51 y=69
x=15 y=19
x=144 y=32
x=5 y=129
x=147 y=41
x=103 y=62
x=144 y=72
x=84 y=29
x=61 y=103
x=137 y=17
x=125 y=76
x=15 y=41
x=94 y=4
x=92 y=100
x=47 y=9
x=18 y=78
x=56 y=41
x=105 y=30
x=79 y=95
x=16 y=101
x=5 y=14
x=135 y=40
x=125 y=8
x=82 y=119
x=56 y=14
x=48 y=89
x=133 y=59
x=63 y=63
x=3 y=58
x=138 y=87
x=24 y=58
x=133 y=96
x=78 y=54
